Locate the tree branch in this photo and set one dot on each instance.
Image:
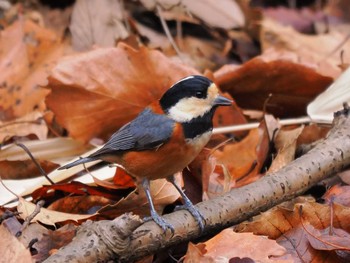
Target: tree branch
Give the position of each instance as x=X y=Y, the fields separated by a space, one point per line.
x=328 y=157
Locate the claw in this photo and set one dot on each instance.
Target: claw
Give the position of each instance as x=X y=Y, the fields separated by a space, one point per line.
x=194 y=212
x=160 y=221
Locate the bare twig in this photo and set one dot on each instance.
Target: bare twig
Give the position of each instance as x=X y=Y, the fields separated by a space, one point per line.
x=167 y=32
x=26 y=222
x=35 y=161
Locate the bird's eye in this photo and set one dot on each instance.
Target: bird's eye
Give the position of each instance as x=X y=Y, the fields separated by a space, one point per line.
x=200 y=94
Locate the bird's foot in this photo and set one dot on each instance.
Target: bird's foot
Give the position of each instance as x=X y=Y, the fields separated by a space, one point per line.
x=194 y=212
x=160 y=221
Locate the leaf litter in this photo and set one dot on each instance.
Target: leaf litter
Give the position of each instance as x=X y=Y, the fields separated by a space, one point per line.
x=87 y=95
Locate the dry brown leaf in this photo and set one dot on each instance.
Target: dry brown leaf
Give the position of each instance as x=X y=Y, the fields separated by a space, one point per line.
x=282 y=219
x=97 y=23
x=28 y=52
x=79 y=204
x=163 y=193
x=276 y=73
x=338 y=194
x=328 y=238
x=244 y=159
x=312 y=133
x=298 y=246
x=47 y=216
x=31 y=123
x=229 y=245
x=323 y=50
x=24 y=169
x=11 y=249
x=285 y=144
x=48 y=240
x=95 y=93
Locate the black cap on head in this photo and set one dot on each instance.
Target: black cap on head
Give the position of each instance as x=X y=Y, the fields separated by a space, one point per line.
x=191 y=86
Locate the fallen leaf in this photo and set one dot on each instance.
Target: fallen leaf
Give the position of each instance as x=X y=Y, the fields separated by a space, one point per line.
x=311 y=133
x=338 y=194
x=226 y=15
x=107 y=27
x=84 y=204
x=228 y=245
x=285 y=217
x=298 y=246
x=115 y=91
x=32 y=123
x=163 y=193
x=74 y=187
x=122 y=179
x=322 y=50
x=27 y=54
x=276 y=73
x=285 y=144
x=24 y=169
x=50 y=149
x=327 y=238
x=11 y=249
x=48 y=240
x=47 y=216
x=244 y=159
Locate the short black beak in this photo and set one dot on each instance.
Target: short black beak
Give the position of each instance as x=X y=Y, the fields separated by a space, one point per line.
x=222 y=101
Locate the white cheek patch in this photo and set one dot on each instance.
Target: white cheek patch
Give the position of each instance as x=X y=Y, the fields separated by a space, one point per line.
x=189 y=108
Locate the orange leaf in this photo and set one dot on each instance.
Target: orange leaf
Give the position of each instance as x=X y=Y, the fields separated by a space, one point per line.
x=122 y=179
x=251 y=84
x=229 y=244
x=95 y=93
x=27 y=53
x=163 y=193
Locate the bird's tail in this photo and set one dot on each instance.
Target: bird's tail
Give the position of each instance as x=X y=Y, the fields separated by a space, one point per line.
x=80 y=161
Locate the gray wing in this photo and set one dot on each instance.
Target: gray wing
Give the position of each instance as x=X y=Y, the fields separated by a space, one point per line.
x=147 y=131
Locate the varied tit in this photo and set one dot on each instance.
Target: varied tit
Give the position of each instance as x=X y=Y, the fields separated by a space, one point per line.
x=165 y=138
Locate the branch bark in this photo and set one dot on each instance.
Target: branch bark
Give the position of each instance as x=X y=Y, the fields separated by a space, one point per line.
x=328 y=157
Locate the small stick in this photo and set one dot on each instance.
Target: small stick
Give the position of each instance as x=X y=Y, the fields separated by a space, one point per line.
x=35 y=161
x=36 y=211
x=167 y=32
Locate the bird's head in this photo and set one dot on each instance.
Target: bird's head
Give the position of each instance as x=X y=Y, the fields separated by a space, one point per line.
x=192 y=97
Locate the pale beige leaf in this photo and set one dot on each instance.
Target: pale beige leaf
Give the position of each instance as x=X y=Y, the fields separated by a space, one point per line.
x=31 y=123
x=96 y=22
x=11 y=249
x=331 y=100
x=163 y=193
x=323 y=50
x=47 y=216
x=285 y=144
x=224 y=14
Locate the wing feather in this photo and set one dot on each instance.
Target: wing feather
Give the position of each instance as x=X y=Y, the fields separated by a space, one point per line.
x=147 y=131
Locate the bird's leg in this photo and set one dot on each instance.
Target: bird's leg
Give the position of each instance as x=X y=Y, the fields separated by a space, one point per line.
x=188 y=205
x=154 y=215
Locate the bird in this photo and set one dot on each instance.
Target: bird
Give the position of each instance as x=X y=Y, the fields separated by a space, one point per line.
x=165 y=138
